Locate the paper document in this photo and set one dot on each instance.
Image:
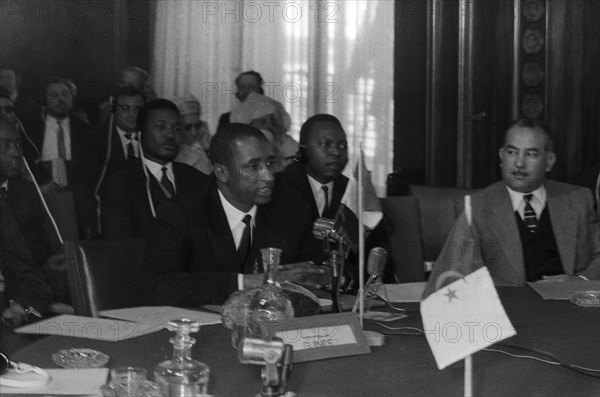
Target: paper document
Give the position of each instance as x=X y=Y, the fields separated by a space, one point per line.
x=563 y=290
x=111 y=330
x=159 y=316
x=406 y=292
x=64 y=382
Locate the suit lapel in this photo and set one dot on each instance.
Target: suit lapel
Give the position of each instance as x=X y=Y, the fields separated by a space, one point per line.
x=564 y=226
x=219 y=235
x=505 y=230
x=265 y=235
x=339 y=188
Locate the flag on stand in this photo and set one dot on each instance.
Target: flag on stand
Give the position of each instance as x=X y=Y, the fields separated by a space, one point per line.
x=466 y=315
x=346 y=219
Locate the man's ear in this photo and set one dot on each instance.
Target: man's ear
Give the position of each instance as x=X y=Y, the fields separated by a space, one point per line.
x=550 y=160
x=501 y=153
x=220 y=172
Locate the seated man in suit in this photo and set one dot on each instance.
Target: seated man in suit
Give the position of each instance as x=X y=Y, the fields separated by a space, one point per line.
x=133 y=194
x=24 y=247
x=118 y=135
x=203 y=247
x=323 y=156
x=527 y=227
x=65 y=148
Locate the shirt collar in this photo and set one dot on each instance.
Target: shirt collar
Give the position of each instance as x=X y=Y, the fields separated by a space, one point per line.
x=316 y=185
x=538 y=201
x=156 y=169
x=234 y=215
x=5 y=185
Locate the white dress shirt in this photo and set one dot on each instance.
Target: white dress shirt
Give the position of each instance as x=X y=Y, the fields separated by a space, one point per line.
x=156 y=171
x=318 y=192
x=125 y=141
x=50 y=145
x=236 y=225
x=538 y=201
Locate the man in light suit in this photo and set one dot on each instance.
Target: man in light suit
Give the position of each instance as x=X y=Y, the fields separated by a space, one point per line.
x=526 y=227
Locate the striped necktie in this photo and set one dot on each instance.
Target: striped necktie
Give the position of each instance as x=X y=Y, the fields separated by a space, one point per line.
x=60 y=139
x=529 y=214
x=245 y=242
x=166 y=182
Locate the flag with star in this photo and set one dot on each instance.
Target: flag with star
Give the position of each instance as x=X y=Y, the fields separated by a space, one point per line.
x=461 y=310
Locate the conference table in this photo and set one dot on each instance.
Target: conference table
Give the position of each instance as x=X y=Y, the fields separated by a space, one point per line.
x=403 y=366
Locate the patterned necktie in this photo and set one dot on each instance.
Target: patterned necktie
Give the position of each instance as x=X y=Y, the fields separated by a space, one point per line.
x=130 y=136
x=166 y=182
x=529 y=215
x=245 y=242
x=325 y=190
x=60 y=139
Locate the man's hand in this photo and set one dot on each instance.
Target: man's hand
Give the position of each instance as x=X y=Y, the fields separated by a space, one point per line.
x=560 y=278
x=306 y=274
x=14 y=315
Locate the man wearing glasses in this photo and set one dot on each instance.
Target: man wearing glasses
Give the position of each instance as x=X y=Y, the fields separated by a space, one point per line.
x=206 y=246
x=133 y=194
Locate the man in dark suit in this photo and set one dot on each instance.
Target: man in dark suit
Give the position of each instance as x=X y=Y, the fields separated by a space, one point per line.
x=64 y=148
x=323 y=156
x=133 y=195
x=118 y=134
x=206 y=246
x=23 y=246
x=24 y=106
x=526 y=227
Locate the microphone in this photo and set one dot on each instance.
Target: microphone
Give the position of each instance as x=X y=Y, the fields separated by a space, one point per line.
x=375 y=265
x=376 y=261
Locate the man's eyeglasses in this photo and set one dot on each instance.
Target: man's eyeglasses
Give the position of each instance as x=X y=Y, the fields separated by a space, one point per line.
x=8 y=109
x=128 y=108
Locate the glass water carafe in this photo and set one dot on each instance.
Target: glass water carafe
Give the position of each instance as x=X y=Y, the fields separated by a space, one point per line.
x=181 y=375
x=271 y=303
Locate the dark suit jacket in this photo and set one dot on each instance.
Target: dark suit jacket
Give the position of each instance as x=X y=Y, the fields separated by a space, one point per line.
x=295 y=177
x=113 y=157
x=82 y=169
x=23 y=283
x=26 y=107
x=29 y=213
x=191 y=257
x=125 y=210
x=498 y=244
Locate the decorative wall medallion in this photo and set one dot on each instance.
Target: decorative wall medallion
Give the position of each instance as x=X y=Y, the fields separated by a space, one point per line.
x=532 y=106
x=532 y=41
x=533 y=10
x=533 y=74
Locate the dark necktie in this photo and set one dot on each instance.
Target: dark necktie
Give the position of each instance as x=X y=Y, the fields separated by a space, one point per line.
x=245 y=242
x=60 y=139
x=529 y=214
x=166 y=183
x=130 y=138
x=326 y=203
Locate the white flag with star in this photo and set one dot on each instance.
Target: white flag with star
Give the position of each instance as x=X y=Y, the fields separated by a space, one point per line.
x=464 y=317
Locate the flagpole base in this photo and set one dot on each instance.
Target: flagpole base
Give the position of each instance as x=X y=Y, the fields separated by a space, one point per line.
x=375 y=338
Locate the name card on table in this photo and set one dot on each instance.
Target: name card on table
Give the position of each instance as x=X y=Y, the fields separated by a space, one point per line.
x=322 y=337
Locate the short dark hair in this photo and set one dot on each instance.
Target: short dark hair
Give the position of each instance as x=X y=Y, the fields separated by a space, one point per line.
x=154 y=104
x=251 y=73
x=308 y=125
x=130 y=91
x=536 y=125
x=222 y=144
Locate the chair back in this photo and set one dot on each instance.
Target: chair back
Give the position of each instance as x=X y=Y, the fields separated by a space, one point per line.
x=105 y=275
x=401 y=214
x=439 y=207
x=62 y=208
